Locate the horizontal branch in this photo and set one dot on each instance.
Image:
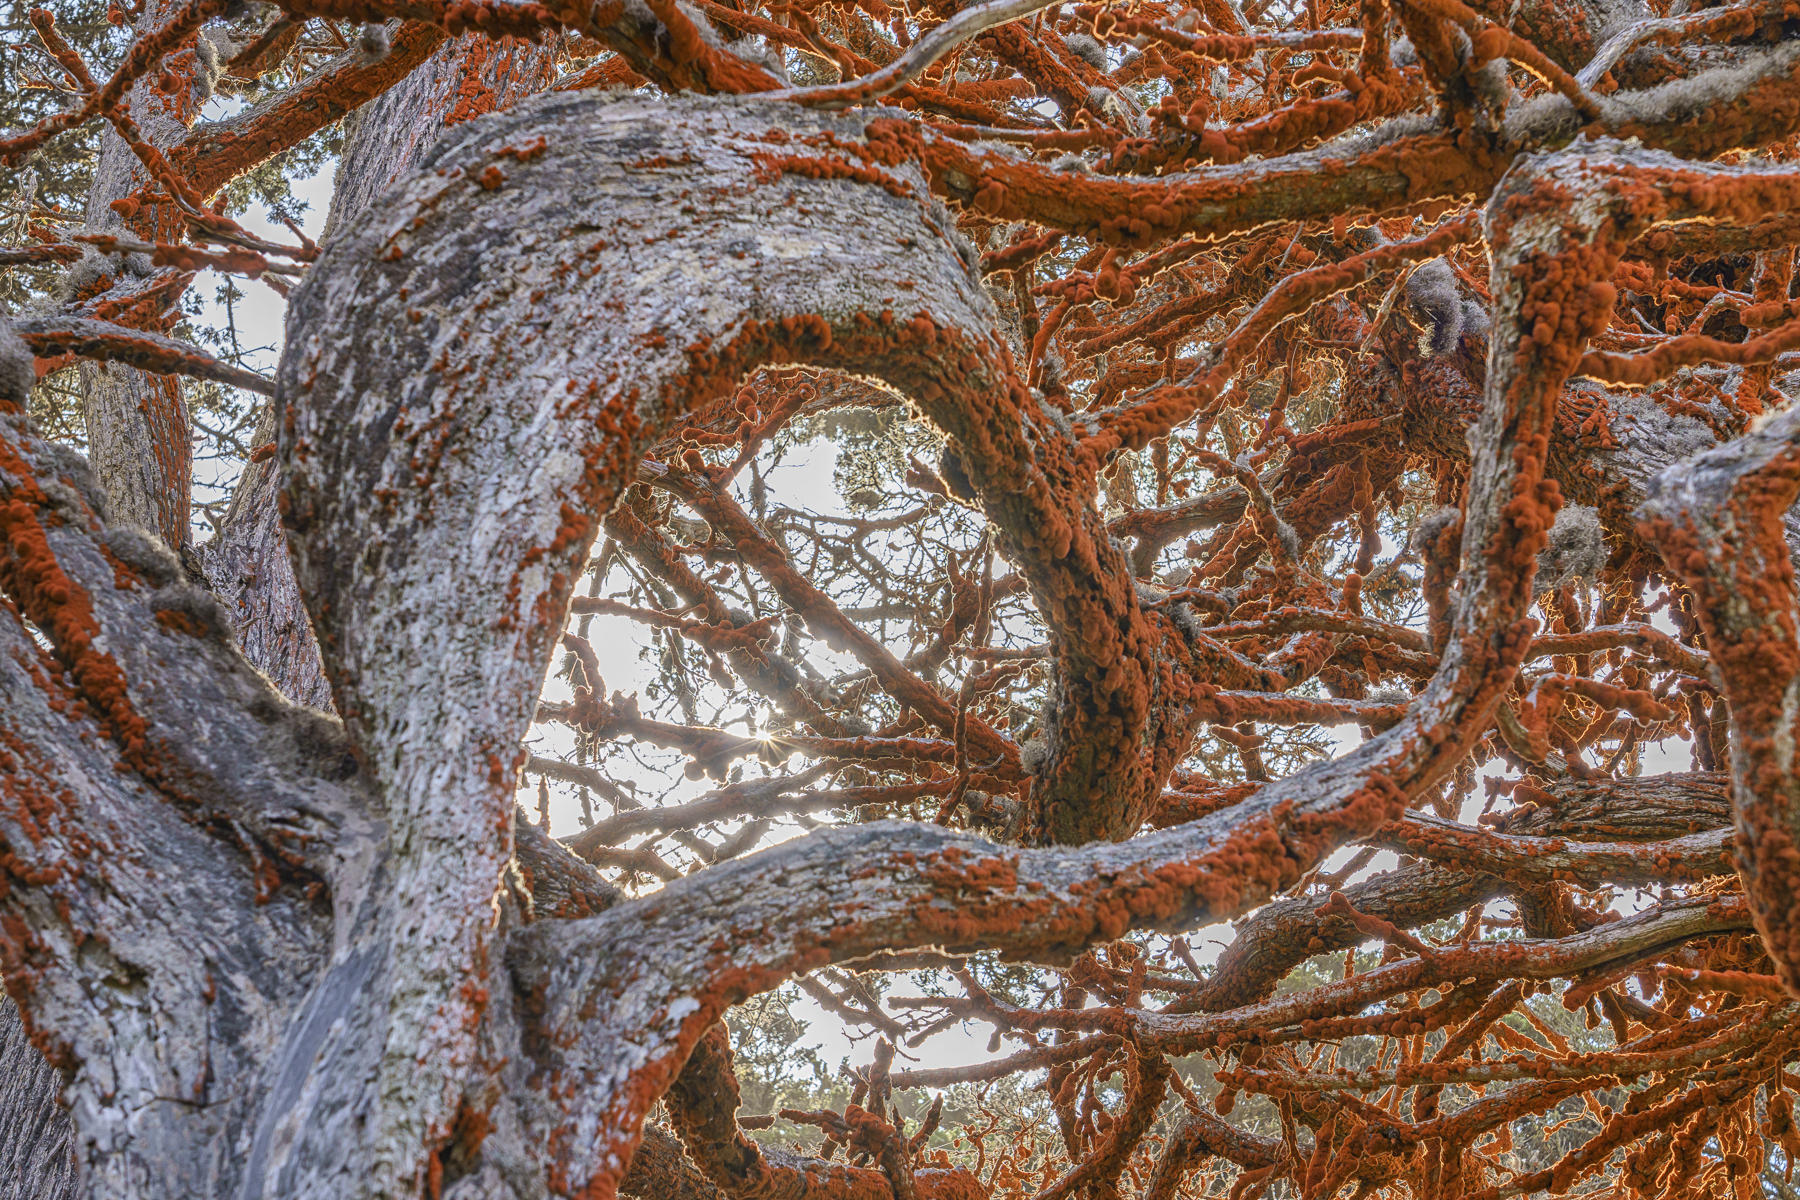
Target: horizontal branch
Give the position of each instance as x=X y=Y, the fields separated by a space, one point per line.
x=1544 y=860
x=104 y=341
x=1627 y=1062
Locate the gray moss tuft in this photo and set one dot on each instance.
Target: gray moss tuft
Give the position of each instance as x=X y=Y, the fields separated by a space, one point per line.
x=1088 y=49
x=373 y=42
x=1033 y=755
x=144 y=554
x=756 y=50
x=1437 y=301
x=1431 y=526
x=1676 y=436
x=1289 y=539
x=1577 y=548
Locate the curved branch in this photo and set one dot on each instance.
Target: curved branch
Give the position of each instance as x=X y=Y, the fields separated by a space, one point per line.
x=490 y=456
x=1543 y=860
x=1726 y=108
x=913 y=885
x=1280 y=936
x=514 y=410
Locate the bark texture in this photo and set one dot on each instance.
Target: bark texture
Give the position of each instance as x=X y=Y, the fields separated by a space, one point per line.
x=36 y=1159
x=254 y=948
x=247 y=562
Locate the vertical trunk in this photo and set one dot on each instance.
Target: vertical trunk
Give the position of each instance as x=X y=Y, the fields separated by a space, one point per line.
x=140 y=447
x=467 y=78
x=140 y=443
x=139 y=440
x=247 y=563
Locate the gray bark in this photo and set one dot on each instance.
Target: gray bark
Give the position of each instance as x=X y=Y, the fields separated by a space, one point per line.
x=465 y=78
x=164 y=957
x=139 y=439
x=462 y=263
x=437 y=627
x=437 y=631
x=276 y=954
x=36 y=1160
x=247 y=562
x=247 y=566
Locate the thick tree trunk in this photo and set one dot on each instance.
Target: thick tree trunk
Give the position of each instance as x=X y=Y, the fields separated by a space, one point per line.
x=140 y=447
x=383 y=1016
x=465 y=78
x=247 y=565
x=247 y=562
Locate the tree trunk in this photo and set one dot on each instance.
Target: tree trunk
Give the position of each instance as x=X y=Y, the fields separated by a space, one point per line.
x=247 y=562
x=139 y=439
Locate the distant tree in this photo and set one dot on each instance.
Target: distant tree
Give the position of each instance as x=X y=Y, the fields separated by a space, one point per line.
x=1192 y=382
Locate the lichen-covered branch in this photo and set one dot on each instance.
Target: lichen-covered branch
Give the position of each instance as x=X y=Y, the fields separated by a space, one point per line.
x=1718 y=521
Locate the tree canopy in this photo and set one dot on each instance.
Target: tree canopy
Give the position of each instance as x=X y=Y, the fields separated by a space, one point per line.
x=934 y=510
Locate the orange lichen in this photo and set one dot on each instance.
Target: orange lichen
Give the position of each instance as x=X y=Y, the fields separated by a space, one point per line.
x=32 y=575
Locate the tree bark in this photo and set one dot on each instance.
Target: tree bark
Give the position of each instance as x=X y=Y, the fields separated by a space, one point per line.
x=247 y=562
x=36 y=1160
x=274 y=953
x=139 y=439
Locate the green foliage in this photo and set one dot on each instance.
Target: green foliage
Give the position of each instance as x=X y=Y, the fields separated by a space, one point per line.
x=47 y=192
x=774 y=1070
